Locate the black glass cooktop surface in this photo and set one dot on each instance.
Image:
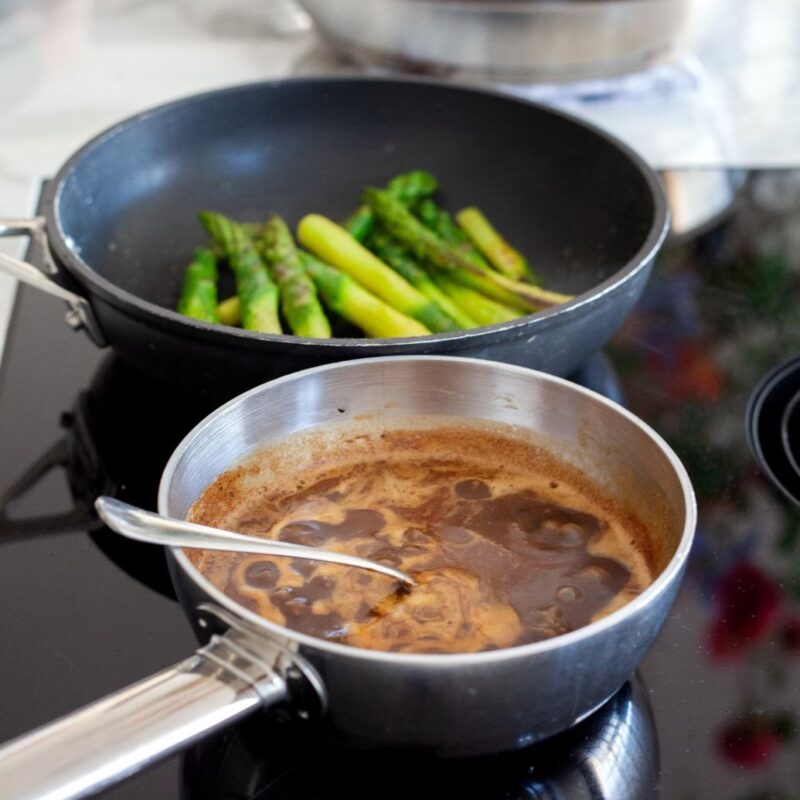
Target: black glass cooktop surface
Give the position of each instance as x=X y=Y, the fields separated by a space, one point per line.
x=713 y=712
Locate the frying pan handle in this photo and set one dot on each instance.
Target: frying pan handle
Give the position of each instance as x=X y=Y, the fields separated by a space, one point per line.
x=80 y=314
x=101 y=744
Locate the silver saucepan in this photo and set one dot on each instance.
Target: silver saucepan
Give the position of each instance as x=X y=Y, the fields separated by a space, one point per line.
x=505 y=39
x=446 y=705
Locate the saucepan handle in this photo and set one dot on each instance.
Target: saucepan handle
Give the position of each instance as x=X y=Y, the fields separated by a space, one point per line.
x=80 y=314
x=103 y=743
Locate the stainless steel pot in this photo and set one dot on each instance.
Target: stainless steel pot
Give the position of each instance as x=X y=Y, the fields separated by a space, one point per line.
x=450 y=705
x=504 y=39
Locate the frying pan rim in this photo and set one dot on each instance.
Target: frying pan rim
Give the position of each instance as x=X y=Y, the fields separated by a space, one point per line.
x=127 y=301
x=662 y=583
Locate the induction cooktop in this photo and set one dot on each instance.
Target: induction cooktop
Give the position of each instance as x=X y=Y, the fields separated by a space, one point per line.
x=713 y=712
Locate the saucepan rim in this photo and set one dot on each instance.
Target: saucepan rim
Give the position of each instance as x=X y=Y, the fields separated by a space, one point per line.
x=75 y=265
x=669 y=574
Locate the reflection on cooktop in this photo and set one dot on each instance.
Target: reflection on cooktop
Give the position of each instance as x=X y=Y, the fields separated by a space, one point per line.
x=611 y=755
x=116 y=439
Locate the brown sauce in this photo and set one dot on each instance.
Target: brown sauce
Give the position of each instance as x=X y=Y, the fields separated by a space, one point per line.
x=507 y=545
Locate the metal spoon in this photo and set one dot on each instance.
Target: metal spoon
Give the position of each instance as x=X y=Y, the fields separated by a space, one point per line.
x=146 y=526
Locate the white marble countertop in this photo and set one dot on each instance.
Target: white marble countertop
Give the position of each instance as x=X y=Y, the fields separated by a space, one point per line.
x=69 y=68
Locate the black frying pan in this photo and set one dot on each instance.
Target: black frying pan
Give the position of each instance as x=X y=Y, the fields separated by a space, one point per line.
x=121 y=215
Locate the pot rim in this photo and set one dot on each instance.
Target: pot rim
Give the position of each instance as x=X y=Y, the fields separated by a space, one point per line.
x=671 y=572
x=125 y=300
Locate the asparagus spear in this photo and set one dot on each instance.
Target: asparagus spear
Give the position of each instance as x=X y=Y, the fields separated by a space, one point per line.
x=407 y=187
x=353 y=302
x=298 y=296
x=445 y=227
x=483 y=310
x=499 y=252
x=427 y=245
x=229 y=311
x=250 y=229
x=199 y=292
x=334 y=245
x=439 y=221
x=257 y=293
x=391 y=252
x=360 y=222
x=410 y=186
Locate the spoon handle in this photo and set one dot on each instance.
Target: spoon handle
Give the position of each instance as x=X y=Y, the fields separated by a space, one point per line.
x=146 y=526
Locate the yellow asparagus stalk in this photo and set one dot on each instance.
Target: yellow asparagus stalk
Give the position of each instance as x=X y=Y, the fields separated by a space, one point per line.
x=352 y=301
x=230 y=311
x=485 y=237
x=334 y=245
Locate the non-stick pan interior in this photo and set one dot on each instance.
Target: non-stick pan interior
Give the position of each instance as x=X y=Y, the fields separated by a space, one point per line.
x=567 y=196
